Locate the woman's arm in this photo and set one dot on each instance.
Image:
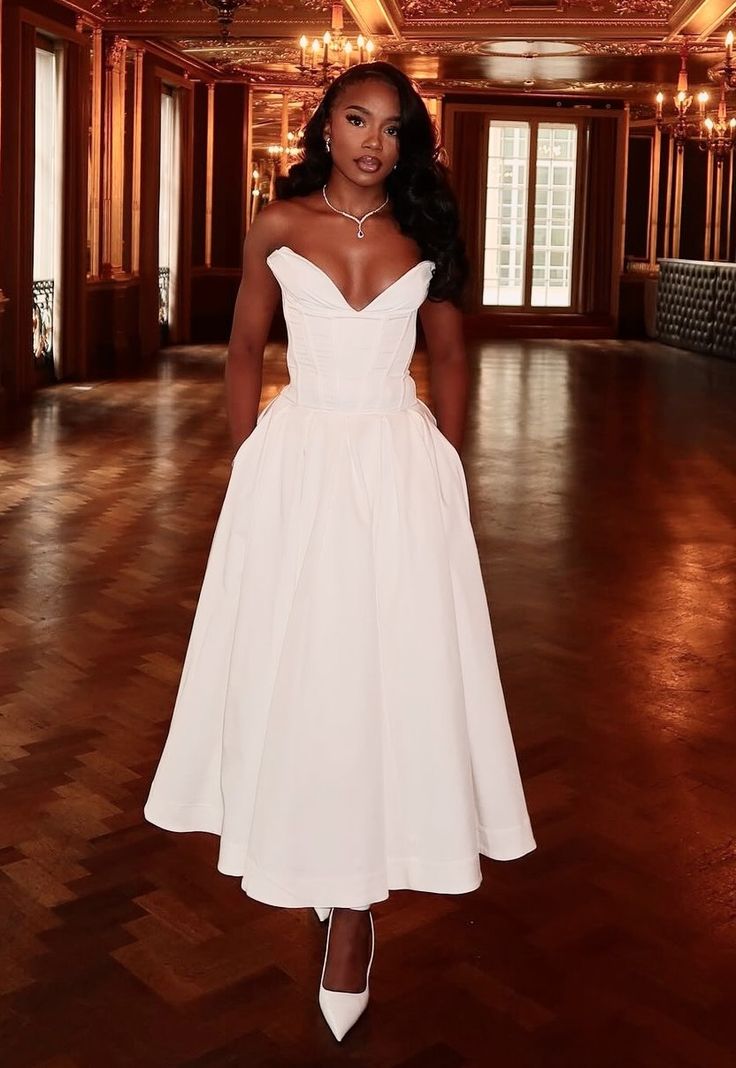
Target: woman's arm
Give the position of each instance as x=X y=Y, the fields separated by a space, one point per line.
x=257 y=300
x=442 y=323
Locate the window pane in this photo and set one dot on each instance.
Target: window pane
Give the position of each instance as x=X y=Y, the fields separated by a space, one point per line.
x=554 y=214
x=506 y=200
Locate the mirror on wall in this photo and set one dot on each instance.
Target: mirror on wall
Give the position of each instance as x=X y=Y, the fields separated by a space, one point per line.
x=276 y=118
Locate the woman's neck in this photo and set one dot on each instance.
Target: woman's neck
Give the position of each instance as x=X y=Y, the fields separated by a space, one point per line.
x=354 y=199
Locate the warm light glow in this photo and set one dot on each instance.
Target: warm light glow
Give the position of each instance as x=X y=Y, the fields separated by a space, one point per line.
x=660 y=98
x=369 y=47
x=303 y=41
x=361 y=40
x=709 y=125
x=315 y=45
x=729 y=39
x=681 y=97
x=326 y=39
x=703 y=98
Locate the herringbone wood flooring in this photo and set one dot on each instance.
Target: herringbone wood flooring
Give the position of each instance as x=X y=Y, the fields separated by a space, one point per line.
x=603 y=484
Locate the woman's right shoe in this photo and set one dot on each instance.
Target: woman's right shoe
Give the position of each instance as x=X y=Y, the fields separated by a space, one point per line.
x=322 y=913
x=341 y=1008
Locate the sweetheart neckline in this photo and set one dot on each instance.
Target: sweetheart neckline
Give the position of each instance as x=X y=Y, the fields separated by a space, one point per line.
x=333 y=283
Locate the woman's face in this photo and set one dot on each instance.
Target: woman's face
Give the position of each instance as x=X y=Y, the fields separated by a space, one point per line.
x=364 y=131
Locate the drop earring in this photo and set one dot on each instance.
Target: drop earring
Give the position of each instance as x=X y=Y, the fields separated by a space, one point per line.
x=327 y=143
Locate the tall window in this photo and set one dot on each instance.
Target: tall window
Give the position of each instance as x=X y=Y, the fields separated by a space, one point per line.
x=530 y=266
x=168 y=210
x=47 y=178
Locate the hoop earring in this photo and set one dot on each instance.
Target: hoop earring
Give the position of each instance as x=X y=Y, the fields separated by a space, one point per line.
x=327 y=143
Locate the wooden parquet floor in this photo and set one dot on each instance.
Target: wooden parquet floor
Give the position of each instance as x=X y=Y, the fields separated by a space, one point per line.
x=603 y=487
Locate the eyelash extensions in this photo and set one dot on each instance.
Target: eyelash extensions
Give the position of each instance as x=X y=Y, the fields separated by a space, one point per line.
x=360 y=117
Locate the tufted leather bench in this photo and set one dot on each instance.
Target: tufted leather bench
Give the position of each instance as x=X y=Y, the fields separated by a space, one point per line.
x=696 y=306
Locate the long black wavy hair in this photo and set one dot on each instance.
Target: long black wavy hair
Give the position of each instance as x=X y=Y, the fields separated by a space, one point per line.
x=422 y=201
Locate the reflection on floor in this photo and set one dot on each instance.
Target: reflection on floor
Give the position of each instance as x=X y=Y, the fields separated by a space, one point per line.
x=603 y=490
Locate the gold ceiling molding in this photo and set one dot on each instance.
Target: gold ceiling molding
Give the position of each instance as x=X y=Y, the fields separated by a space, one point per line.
x=656 y=9
x=283 y=51
x=646 y=48
x=179 y=10
x=649 y=10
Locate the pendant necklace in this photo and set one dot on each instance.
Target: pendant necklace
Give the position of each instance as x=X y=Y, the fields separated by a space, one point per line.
x=361 y=232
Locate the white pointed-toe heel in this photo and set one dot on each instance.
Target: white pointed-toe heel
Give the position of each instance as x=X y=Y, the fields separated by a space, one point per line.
x=341 y=1008
x=322 y=913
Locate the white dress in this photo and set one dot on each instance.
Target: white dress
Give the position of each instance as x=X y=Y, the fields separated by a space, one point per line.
x=340 y=721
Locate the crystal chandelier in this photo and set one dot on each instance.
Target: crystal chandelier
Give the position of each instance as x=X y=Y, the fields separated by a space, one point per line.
x=330 y=54
x=289 y=149
x=717 y=134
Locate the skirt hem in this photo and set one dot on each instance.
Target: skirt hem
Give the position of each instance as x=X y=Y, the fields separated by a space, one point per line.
x=295 y=890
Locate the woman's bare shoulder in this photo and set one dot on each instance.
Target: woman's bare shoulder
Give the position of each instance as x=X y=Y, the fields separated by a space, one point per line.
x=275 y=223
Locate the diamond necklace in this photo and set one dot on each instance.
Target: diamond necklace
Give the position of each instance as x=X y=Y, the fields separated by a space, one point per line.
x=361 y=232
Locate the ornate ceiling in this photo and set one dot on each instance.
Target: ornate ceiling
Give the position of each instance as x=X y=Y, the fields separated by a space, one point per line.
x=621 y=47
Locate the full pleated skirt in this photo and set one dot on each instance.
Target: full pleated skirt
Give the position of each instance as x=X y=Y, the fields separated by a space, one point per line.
x=340 y=721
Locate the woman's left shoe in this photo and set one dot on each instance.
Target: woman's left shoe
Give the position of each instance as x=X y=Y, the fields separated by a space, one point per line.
x=322 y=913
x=341 y=1008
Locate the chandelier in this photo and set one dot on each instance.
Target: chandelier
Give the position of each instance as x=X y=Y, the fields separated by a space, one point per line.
x=330 y=54
x=721 y=131
x=225 y=13
x=289 y=149
x=717 y=135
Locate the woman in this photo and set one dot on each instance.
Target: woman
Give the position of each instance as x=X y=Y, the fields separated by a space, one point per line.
x=340 y=722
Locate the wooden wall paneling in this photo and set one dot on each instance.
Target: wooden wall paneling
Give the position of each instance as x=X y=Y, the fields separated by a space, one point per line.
x=9 y=185
x=228 y=167
x=95 y=161
x=200 y=191
x=669 y=187
x=3 y=298
x=619 y=212
x=654 y=196
x=718 y=215
x=730 y=221
x=136 y=162
x=693 y=202
x=639 y=195
x=677 y=197
x=16 y=206
x=708 y=250
x=209 y=162
x=113 y=155
x=75 y=210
